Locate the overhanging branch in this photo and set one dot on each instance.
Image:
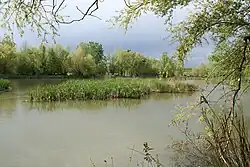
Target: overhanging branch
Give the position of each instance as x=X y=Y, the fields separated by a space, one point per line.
x=41 y=16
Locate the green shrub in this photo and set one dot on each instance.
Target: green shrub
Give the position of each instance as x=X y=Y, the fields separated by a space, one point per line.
x=4 y=84
x=99 y=89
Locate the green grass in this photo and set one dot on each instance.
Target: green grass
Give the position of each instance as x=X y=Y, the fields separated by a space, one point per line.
x=165 y=86
x=105 y=89
x=4 y=84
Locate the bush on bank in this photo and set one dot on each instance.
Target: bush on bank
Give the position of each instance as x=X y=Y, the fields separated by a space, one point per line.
x=4 y=84
x=105 y=89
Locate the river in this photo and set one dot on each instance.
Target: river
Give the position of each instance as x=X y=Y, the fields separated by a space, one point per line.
x=69 y=134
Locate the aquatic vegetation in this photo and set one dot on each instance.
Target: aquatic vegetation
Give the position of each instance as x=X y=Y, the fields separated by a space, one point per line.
x=165 y=86
x=4 y=84
x=104 y=89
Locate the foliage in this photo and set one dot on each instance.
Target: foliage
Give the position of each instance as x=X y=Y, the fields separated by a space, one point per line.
x=91 y=89
x=47 y=60
x=129 y=63
x=42 y=61
x=224 y=141
x=167 y=66
x=87 y=60
x=7 y=55
x=164 y=86
x=94 y=49
x=105 y=89
x=83 y=63
x=203 y=71
x=4 y=84
x=42 y=16
x=223 y=23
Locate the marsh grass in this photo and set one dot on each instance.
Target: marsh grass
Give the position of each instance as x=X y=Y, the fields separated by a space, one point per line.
x=4 y=84
x=105 y=89
x=165 y=86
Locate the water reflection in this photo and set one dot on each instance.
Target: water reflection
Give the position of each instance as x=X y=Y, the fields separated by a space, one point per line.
x=97 y=105
x=7 y=108
x=83 y=105
x=33 y=135
x=22 y=85
x=167 y=96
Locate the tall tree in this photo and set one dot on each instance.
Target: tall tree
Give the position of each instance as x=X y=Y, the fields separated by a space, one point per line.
x=224 y=22
x=95 y=49
x=7 y=55
x=168 y=66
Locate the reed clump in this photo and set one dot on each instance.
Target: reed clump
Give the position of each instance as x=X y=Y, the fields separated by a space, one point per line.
x=164 y=86
x=101 y=89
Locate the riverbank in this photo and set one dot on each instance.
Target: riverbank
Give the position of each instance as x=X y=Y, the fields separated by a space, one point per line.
x=39 y=76
x=107 y=89
x=4 y=85
x=58 y=76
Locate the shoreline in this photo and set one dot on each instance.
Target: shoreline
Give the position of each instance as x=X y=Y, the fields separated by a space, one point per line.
x=81 y=77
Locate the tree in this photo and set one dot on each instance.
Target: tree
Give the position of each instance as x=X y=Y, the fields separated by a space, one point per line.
x=201 y=71
x=167 y=66
x=87 y=66
x=95 y=49
x=139 y=65
x=225 y=23
x=84 y=63
x=101 y=68
x=7 y=55
x=62 y=62
x=123 y=59
x=110 y=63
x=42 y=16
x=155 y=66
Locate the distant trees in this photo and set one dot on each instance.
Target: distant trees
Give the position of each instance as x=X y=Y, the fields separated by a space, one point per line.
x=42 y=61
x=88 y=60
x=170 y=67
x=7 y=55
x=201 y=71
x=133 y=64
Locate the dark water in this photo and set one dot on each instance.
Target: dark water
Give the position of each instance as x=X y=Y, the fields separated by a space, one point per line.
x=69 y=134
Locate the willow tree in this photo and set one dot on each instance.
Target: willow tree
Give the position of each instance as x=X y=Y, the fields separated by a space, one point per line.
x=225 y=24
x=42 y=16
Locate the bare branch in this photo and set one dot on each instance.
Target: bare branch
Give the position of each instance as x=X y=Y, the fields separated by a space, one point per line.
x=41 y=16
x=89 y=12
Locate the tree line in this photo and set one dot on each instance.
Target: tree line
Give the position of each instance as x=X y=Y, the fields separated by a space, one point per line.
x=88 y=60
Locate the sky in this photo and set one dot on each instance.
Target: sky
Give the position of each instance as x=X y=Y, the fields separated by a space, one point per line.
x=147 y=35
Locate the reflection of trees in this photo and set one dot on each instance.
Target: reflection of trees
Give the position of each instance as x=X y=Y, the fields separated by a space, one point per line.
x=100 y=104
x=169 y=96
x=7 y=107
x=21 y=85
x=86 y=105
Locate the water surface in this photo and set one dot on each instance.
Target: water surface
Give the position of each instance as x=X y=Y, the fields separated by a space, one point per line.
x=69 y=134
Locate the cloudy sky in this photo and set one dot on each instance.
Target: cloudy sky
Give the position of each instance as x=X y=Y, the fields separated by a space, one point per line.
x=146 y=36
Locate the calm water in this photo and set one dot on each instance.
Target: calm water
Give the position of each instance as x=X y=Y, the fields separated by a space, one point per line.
x=70 y=134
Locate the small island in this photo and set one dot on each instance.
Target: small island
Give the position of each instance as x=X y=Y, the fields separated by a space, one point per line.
x=107 y=89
